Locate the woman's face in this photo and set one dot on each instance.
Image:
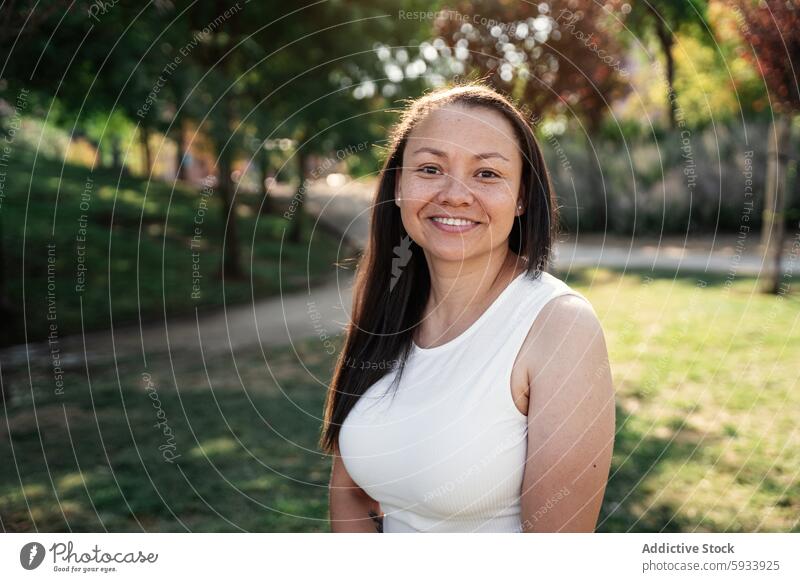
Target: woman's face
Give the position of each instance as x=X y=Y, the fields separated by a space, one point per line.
x=460 y=163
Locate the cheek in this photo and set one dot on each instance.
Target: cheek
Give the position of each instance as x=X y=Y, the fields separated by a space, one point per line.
x=501 y=195
x=502 y=221
x=417 y=192
x=414 y=200
x=500 y=205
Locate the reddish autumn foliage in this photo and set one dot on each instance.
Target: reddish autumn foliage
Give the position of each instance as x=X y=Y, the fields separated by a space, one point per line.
x=772 y=29
x=556 y=57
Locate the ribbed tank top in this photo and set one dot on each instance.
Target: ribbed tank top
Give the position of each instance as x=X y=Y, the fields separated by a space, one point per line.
x=447 y=452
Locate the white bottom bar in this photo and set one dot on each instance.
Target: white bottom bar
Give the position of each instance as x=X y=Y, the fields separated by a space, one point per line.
x=421 y=557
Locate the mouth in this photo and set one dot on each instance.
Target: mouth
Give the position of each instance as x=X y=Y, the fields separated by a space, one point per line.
x=449 y=224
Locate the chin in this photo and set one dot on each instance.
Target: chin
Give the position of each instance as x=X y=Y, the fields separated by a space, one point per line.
x=452 y=253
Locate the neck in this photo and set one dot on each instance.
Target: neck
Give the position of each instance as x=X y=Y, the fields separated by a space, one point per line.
x=458 y=289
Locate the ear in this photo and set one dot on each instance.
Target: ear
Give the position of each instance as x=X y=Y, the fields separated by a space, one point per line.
x=521 y=205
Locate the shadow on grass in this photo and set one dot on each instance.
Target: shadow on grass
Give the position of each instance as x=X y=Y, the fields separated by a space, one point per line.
x=222 y=459
x=94 y=457
x=159 y=459
x=638 y=456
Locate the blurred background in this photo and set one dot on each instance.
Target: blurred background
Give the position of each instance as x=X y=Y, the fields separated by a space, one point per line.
x=185 y=189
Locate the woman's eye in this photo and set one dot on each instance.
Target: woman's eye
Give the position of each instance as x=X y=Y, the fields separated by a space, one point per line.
x=488 y=174
x=424 y=170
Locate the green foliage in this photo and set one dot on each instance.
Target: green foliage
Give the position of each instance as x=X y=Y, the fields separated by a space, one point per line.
x=666 y=17
x=663 y=181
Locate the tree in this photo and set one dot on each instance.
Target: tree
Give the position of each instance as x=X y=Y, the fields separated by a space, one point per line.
x=663 y=19
x=315 y=72
x=228 y=54
x=553 y=62
x=17 y=21
x=772 y=29
x=19 y=26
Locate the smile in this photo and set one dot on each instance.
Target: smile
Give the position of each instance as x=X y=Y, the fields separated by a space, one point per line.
x=453 y=224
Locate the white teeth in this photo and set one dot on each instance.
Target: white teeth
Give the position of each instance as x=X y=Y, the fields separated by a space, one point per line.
x=453 y=221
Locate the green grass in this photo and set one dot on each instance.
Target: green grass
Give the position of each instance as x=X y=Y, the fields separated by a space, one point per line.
x=707 y=396
x=247 y=455
x=706 y=381
x=138 y=252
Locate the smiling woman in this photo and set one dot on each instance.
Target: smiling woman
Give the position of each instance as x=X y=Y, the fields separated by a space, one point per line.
x=500 y=414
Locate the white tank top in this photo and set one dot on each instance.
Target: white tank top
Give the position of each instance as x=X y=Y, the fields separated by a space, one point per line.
x=447 y=452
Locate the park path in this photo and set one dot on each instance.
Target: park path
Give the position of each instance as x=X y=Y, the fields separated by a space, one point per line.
x=724 y=254
x=323 y=311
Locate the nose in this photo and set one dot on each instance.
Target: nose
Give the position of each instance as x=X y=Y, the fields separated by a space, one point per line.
x=454 y=192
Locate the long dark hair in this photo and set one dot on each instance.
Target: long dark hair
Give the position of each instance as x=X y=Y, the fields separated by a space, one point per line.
x=387 y=307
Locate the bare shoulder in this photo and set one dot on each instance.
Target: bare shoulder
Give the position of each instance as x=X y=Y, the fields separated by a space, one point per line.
x=568 y=310
x=566 y=317
x=567 y=334
x=568 y=306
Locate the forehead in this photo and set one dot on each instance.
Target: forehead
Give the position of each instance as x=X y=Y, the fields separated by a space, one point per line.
x=460 y=129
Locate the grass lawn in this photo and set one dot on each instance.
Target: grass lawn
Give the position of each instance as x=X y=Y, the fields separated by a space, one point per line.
x=123 y=248
x=706 y=376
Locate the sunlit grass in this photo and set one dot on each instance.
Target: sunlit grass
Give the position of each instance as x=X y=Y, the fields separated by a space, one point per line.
x=706 y=380
x=706 y=374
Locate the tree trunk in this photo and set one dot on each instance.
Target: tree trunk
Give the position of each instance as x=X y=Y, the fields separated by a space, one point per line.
x=772 y=232
x=296 y=233
x=231 y=261
x=267 y=207
x=231 y=264
x=666 y=40
x=5 y=307
x=147 y=156
x=596 y=219
x=116 y=153
x=180 y=143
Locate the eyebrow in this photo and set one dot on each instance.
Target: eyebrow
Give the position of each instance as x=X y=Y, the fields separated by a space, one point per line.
x=441 y=154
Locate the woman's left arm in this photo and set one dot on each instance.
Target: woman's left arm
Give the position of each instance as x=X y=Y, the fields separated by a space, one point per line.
x=570 y=419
